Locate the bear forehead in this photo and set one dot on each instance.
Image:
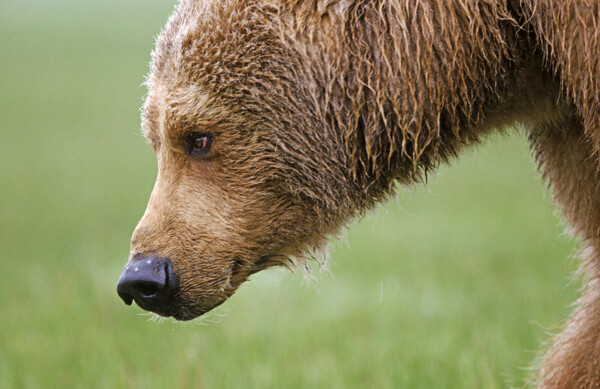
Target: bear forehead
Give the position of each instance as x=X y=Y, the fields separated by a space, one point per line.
x=211 y=41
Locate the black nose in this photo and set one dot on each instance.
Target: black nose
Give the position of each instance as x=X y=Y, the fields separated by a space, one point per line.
x=150 y=282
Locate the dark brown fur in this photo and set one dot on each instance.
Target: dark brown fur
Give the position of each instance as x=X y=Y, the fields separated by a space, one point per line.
x=318 y=107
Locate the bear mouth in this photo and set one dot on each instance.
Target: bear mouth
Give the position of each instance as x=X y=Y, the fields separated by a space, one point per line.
x=155 y=287
x=184 y=308
x=186 y=313
x=178 y=309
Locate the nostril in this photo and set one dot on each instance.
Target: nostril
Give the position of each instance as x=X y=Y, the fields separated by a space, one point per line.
x=139 y=289
x=148 y=289
x=147 y=281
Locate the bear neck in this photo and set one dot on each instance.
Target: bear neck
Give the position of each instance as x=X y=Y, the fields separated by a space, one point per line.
x=404 y=87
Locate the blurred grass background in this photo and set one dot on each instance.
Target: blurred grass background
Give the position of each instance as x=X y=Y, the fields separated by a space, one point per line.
x=455 y=286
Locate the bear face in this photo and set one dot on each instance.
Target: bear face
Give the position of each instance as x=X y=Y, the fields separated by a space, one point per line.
x=239 y=188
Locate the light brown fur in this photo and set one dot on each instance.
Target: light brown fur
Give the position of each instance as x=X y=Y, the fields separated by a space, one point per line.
x=318 y=107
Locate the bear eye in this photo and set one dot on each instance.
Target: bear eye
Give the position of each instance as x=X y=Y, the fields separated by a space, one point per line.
x=197 y=144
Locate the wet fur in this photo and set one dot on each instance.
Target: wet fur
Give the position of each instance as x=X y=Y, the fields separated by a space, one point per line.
x=319 y=107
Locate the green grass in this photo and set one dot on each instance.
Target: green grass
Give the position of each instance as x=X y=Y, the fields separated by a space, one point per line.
x=455 y=286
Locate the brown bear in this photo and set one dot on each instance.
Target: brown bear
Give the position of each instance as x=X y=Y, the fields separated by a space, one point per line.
x=275 y=122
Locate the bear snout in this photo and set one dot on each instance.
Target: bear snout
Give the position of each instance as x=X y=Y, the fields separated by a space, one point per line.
x=151 y=282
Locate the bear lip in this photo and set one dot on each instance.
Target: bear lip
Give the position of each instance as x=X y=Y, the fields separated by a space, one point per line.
x=186 y=315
